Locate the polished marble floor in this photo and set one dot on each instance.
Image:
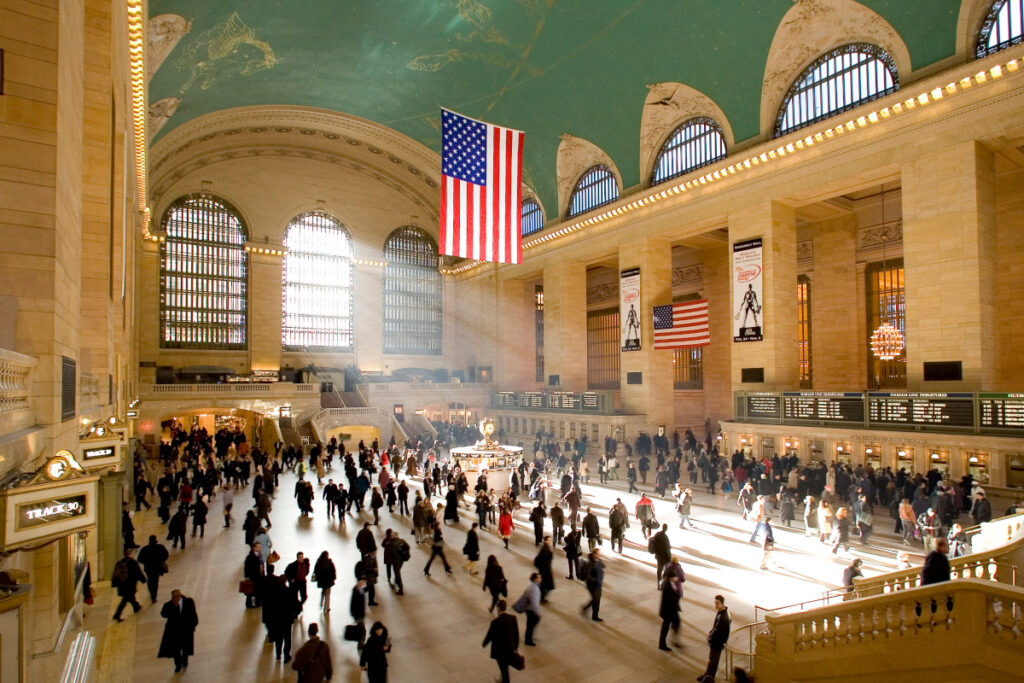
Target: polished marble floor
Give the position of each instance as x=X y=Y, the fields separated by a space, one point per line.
x=437 y=627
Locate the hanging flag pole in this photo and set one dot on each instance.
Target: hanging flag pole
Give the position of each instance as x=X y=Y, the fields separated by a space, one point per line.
x=481 y=190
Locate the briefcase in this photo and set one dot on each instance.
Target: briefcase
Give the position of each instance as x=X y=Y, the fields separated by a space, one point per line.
x=246 y=587
x=517 y=661
x=355 y=632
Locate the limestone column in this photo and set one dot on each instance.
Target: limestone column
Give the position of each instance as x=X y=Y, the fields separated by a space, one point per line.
x=368 y=325
x=949 y=253
x=516 y=358
x=837 y=350
x=565 y=324
x=653 y=394
x=776 y=353
x=265 y=309
x=716 y=356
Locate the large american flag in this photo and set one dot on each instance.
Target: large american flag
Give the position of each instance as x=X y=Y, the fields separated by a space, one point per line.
x=481 y=167
x=681 y=325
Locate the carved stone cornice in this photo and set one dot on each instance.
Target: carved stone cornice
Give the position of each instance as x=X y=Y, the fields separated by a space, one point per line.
x=876 y=236
x=602 y=293
x=688 y=275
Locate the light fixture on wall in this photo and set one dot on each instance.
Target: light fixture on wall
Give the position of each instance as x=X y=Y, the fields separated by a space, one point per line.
x=886 y=340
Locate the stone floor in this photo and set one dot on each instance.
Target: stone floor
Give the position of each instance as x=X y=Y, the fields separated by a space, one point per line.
x=438 y=625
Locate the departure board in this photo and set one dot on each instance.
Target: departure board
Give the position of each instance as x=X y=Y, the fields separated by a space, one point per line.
x=921 y=409
x=590 y=401
x=815 y=406
x=505 y=399
x=531 y=399
x=1001 y=411
x=563 y=400
x=764 y=406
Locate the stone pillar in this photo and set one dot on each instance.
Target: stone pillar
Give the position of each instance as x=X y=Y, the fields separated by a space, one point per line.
x=368 y=326
x=775 y=224
x=265 y=311
x=716 y=356
x=949 y=252
x=515 y=352
x=837 y=352
x=565 y=324
x=653 y=395
x=108 y=524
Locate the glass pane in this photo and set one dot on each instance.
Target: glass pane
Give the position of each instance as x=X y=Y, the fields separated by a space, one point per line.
x=412 y=294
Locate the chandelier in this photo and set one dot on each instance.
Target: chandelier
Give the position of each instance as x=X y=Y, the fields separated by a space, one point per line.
x=886 y=342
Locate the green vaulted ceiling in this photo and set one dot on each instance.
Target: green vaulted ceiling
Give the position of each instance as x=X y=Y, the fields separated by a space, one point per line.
x=544 y=66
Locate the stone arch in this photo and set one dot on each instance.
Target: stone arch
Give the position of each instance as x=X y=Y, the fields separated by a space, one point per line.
x=529 y=194
x=972 y=15
x=813 y=27
x=576 y=155
x=668 y=105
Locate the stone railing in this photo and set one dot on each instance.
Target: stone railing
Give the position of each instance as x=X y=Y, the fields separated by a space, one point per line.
x=239 y=389
x=15 y=391
x=999 y=563
x=391 y=388
x=324 y=420
x=968 y=623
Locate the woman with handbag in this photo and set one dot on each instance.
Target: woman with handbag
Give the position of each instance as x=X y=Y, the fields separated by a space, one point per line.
x=374 y=657
x=494 y=581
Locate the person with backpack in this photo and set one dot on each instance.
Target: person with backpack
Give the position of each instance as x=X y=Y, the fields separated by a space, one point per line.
x=126 y=577
x=398 y=549
x=313 y=660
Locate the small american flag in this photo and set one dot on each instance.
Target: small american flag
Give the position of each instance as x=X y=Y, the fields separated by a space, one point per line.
x=681 y=325
x=481 y=191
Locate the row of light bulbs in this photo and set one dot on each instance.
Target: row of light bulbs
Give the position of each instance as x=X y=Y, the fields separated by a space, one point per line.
x=810 y=140
x=137 y=70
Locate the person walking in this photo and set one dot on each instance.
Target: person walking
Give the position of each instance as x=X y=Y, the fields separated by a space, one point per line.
x=199 y=512
x=177 y=526
x=374 y=658
x=127 y=575
x=227 y=501
x=494 y=581
x=399 y=551
x=592 y=530
x=365 y=540
x=368 y=570
x=324 y=575
x=671 y=594
x=595 y=582
x=503 y=636
x=852 y=572
x=153 y=559
x=645 y=515
x=282 y=602
x=529 y=603
x=296 y=573
x=543 y=564
x=661 y=546
x=471 y=550
x=617 y=525
x=178 y=641
x=254 y=570
x=313 y=660
x=683 y=504
x=557 y=516
x=505 y=525
x=537 y=516
x=572 y=549
x=718 y=636
x=357 y=609
x=936 y=565
x=437 y=550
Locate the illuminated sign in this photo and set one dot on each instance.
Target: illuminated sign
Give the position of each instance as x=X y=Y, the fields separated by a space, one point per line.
x=99 y=452
x=132 y=413
x=46 y=511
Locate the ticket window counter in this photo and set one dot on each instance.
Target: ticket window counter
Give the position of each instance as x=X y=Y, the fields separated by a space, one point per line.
x=768 y=447
x=977 y=466
x=844 y=452
x=938 y=459
x=791 y=448
x=905 y=459
x=817 y=450
x=873 y=456
x=1015 y=470
x=747 y=446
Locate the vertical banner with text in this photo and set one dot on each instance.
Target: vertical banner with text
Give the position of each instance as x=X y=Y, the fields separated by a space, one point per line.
x=629 y=309
x=747 y=291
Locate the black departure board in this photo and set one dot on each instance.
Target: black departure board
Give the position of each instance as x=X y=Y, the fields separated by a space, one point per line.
x=814 y=406
x=506 y=399
x=764 y=406
x=1001 y=411
x=921 y=409
x=531 y=399
x=590 y=401
x=563 y=400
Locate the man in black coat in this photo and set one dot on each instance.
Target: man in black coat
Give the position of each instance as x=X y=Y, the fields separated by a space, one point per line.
x=537 y=516
x=365 y=540
x=255 y=570
x=127 y=575
x=281 y=602
x=662 y=549
x=503 y=635
x=592 y=530
x=179 y=631
x=671 y=594
x=936 y=565
x=718 y=636
x=557 y=524
x=153 y=559
x=543 y=564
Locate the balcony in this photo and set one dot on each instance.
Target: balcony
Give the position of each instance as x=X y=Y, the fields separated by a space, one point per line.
x=235 y=390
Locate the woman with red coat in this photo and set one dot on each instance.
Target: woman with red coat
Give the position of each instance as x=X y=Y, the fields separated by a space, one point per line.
x=505 y=525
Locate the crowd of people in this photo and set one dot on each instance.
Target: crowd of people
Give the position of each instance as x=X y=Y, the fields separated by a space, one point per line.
x=199 y=468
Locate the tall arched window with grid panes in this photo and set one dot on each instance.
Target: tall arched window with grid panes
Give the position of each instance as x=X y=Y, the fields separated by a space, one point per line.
x=838 y=81
x=317 y=284
x=533 y=217
x=595 y=188
x=1003 y=27
x=412 y=294
x=697 y=142
x=202 y=275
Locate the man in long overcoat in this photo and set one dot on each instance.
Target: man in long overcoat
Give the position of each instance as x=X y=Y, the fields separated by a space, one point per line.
x=179 y=632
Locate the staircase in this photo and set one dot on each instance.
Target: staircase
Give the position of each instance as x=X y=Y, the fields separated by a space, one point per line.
x=351 y=399
x=331 y=399
x=288 y=433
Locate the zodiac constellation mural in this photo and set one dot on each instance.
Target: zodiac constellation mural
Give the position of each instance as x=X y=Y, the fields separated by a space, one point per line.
x=228 y=45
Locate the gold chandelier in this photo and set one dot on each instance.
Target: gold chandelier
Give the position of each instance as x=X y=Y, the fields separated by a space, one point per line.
x=886 y=342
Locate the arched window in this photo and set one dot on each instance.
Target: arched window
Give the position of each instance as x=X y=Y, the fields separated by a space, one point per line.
x=317 y=277
x=533 y=217
x=595 y=188
x=697 y=142
x=838 y=81
x=1003 y=27
x=202 y=275
x=412 y=294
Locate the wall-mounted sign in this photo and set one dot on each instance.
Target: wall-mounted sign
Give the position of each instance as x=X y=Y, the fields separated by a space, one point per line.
x=747 y=291
x=629 y=309
x=46 y=511
x=131 y=414
x=98 y=452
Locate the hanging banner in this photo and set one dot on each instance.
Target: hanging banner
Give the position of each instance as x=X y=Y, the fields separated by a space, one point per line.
x=747 y=291
x=629 y=309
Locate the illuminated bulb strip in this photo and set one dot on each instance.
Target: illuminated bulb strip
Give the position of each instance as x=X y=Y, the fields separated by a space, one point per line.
x=137 y=71
x=710 y=176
